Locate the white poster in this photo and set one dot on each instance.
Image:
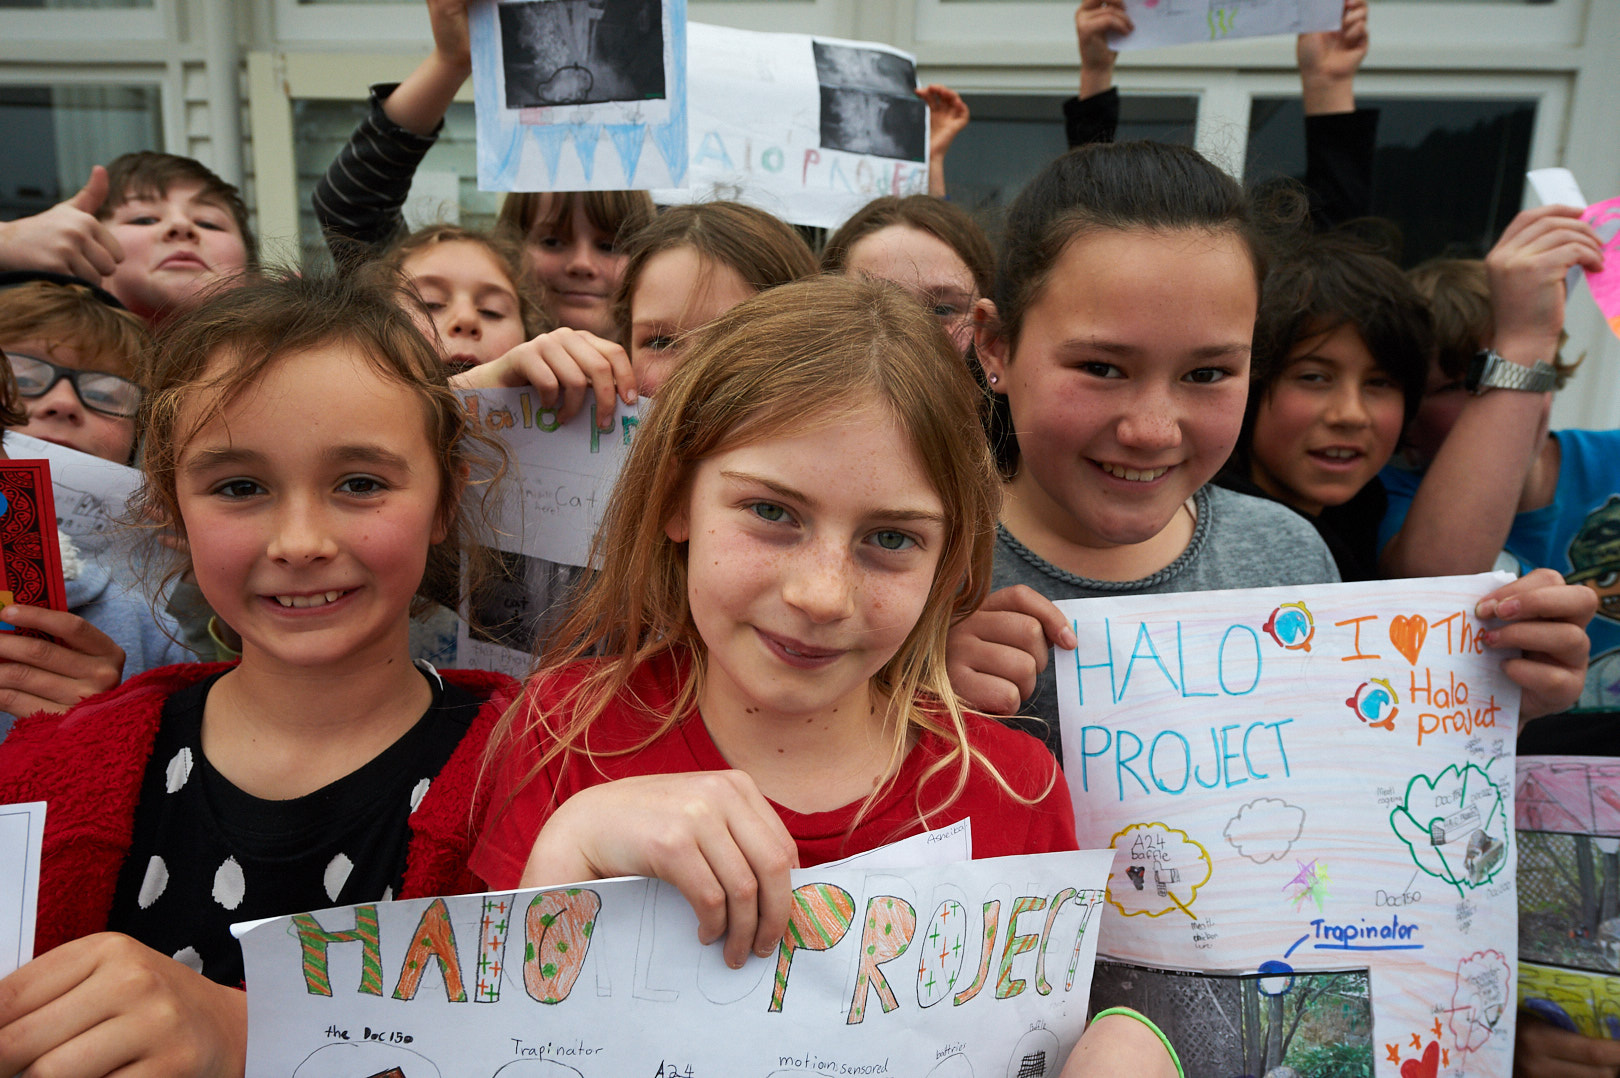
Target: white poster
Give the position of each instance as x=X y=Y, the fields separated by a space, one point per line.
x=91 y=495
x=22 y=829
x=808 y=128
x=973 y=968
x=1179 y=22
x=545 y=511
x=579 y=95
x=1311 y=790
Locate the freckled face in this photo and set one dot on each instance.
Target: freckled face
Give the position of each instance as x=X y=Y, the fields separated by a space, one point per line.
x=678 y=292
x=1129 y=380
x=1329 y=423
x=925 y=266
x=810 y=558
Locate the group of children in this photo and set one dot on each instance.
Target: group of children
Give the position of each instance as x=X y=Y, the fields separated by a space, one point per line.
x=835 y=542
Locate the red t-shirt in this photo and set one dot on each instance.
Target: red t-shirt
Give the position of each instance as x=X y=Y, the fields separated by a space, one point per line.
x=1001 y=825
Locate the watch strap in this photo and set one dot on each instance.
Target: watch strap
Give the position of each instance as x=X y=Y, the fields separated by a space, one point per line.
x=1499 y=373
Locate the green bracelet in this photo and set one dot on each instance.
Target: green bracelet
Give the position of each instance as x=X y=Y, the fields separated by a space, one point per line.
x=1157 y=1032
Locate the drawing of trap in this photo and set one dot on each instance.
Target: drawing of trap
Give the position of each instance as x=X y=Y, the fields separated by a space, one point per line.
x=1455 y=826
x=1162 y=878
x=1482 y=853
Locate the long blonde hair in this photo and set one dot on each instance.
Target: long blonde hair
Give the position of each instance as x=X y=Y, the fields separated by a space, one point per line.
x=792 y=359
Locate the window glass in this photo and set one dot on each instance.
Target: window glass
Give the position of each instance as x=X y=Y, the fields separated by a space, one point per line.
x=1448 y=171
x=1012 y=136
x=320 y=130
x=67 y=129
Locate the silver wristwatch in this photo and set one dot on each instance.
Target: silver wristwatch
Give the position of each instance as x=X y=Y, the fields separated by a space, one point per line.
x=1490 y=371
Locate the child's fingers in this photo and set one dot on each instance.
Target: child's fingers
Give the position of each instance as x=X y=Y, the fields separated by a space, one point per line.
x=752 y=860
x=607 y=367
x=993 y=677
x=618 y=362
x=1014 y=630
x=1559 y=242
x=1545 y=688
x=994 y=656
x=38 y=1006
x=25 y=689
x=772 y=855
x=80 y=650
x=1026 y=600
x=1548 y=641
x=1540 y=595
x=1541 y=1050
x=72 y=630
x=986 y=693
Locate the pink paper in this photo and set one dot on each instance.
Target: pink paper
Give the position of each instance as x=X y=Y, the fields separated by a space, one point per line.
x=1605 y=283
x=1570 y=794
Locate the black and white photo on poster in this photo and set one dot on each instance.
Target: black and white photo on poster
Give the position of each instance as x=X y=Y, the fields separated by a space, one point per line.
x=578 y=52
x=868 y=103
x=520 y=601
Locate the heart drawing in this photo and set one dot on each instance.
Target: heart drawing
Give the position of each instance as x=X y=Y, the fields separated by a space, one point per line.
x=1427 y=1067
x=1408 y=634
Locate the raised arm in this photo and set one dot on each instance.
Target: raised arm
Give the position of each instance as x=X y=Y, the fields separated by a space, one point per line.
x=1094 y=115
x=1464 y=509
x=947 y=116
x=1339 y=138
x=358 y=201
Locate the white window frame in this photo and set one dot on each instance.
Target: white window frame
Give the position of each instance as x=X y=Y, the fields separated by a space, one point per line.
x=166 y=80
x=154 y=23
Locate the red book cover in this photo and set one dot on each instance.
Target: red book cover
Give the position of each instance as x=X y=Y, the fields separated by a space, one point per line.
x=30 y=554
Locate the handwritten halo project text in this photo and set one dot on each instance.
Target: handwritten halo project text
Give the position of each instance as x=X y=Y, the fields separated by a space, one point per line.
x=965 y=968
x=1311 y=793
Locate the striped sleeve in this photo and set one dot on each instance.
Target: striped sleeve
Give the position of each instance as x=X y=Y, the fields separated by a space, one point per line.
x=358 y=201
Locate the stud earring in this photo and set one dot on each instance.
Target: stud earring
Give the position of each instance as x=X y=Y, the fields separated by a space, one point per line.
x=994 y=379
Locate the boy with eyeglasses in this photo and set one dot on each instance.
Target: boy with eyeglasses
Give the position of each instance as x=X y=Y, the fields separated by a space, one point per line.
x=74 y=360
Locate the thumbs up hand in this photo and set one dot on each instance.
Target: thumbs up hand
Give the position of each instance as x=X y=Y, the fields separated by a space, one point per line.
x=67 y=238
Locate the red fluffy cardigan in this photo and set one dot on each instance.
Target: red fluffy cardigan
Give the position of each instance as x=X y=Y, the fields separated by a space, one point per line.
x=88 y=765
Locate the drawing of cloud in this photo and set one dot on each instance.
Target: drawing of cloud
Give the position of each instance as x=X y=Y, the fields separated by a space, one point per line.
x=1265 y=830
x=1158 y=869
x=1454 y=826
x=348 y=1059
x=1480 y=998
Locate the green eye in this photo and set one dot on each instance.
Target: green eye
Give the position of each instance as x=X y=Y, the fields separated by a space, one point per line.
x=769 y=511
x=893 y=540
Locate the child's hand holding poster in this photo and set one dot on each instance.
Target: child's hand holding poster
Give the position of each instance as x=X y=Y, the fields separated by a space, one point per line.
x=971 y=968
x=1311 y=790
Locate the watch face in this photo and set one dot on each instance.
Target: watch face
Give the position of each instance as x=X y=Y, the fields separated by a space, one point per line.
x=1476 y=371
